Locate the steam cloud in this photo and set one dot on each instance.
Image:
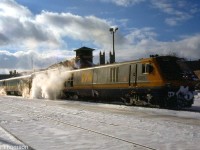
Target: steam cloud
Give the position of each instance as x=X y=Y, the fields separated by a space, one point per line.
x=49 y=84
x=2 y=92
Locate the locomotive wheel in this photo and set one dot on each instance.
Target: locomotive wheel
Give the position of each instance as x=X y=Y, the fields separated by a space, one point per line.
x=179 y=104
x=175 y=103
x=75 y=97
x=129 y=101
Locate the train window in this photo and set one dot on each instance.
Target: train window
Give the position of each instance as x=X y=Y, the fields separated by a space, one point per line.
x=147 y=68
x=114 y=74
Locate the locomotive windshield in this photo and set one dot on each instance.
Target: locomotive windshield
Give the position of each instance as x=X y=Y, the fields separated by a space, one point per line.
x=174 y=68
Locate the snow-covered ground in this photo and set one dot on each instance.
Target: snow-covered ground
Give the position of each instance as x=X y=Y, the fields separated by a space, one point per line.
x=8 y=141
x=45 y=124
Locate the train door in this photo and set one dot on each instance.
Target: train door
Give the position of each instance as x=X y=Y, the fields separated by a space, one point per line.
x=133 y=75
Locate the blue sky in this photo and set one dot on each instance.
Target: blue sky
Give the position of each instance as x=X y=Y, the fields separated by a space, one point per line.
x=47 y=32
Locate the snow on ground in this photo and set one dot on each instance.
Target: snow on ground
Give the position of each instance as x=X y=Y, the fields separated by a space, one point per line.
x=8 y=141
x=45 y=124
x=196 y=105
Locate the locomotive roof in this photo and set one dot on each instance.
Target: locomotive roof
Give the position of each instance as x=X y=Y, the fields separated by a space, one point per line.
x=113 y=65
x=89 y=68
x=123 y=63
x=13 y=78
x=84 y=49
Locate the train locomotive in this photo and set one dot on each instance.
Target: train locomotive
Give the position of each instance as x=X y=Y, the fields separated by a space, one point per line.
x=162 y=81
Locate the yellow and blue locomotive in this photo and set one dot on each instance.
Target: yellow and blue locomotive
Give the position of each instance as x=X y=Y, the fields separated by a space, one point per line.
x=163 y=81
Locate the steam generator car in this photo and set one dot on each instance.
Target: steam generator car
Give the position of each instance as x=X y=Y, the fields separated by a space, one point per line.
x=162 y=81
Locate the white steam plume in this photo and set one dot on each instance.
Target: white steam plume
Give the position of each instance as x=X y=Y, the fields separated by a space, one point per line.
x=26 y=92
x=49 y=84
x=2 y=92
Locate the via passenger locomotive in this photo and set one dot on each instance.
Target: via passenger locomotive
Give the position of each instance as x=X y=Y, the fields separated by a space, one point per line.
x=163 y=81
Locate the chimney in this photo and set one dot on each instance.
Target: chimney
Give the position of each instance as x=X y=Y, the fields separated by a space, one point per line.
x=102 y=58
x=112 y=57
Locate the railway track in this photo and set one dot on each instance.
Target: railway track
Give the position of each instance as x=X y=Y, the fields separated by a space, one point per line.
x=23 y=144
x=39 y=113
x=193 y=109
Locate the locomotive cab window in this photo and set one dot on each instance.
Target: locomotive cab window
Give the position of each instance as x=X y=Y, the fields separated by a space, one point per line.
x=147 y=68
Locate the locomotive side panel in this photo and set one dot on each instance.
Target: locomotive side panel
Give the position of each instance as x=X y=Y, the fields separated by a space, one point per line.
x=123 y=74
x=11 y=87
x=81 y=84
x=101 y=76
x=83 y=78
x=111 y=77
x=115 y=79
x=77 y=78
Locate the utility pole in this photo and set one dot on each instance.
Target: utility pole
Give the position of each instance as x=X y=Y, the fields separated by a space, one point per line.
x=112 y=56
x=32 y=63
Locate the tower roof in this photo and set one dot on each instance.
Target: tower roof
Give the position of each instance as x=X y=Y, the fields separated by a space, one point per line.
x=84 y=49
